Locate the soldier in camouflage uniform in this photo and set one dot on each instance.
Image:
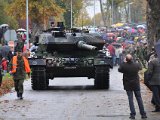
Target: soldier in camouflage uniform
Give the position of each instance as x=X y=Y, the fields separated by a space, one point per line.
x=140 y=55
x=20 y=43
x=18 y=67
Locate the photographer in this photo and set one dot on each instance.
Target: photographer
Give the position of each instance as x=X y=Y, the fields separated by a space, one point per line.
x=131 y=84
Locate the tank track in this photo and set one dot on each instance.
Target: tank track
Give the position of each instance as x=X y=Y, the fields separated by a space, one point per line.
x=38 y=78
x=101 y=77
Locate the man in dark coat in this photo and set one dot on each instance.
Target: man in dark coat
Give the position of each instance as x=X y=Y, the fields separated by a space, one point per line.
x=154 y=72
x=131 y=84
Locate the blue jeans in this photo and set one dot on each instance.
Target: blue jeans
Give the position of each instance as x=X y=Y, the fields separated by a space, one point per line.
x=131 y=103
x=114 y=60
x=156 y=95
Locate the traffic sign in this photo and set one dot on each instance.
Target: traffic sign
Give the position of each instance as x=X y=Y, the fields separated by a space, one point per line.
x=10 y=35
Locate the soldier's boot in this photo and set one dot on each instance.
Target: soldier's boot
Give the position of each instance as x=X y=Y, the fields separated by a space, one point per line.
x=20 y=96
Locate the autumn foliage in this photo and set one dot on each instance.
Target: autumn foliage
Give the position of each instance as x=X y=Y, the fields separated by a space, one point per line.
x=6 y=86
x=39 y=10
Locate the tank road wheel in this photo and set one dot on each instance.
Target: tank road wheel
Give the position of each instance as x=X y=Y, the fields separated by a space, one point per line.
x=38 y=78
x=101 y=77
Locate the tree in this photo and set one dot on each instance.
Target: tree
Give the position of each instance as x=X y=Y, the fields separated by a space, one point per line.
x=138 y=11
x=6 y=19
x=116 y=13
x=102 y=12
x=2 y=12
x=98 y=19
x=107 y=9
x=66 y=4
x=153 y=21
x=83 y=19
x=121 y=10
x=39 y=10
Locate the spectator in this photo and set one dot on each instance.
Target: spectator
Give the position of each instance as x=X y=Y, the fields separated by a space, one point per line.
x=118 y=52
x=125 y=34
x=139 y=53
x=5 y=50
x=151 y=55
x=154 y=72
x=20 y=43
x=112 y=53
x=132 y=85
x=33 y=47
x=4 y=64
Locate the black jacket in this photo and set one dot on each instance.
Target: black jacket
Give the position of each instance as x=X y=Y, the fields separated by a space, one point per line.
x=130 y=75
x=154 y=71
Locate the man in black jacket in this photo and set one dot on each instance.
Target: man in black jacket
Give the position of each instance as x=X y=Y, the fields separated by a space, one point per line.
x=154 y=72
x=131 y=84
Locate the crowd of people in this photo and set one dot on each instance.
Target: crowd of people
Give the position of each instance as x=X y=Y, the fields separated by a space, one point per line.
x=127 y=41
x=133 y=47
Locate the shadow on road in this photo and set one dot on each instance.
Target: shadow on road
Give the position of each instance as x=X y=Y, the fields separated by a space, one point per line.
x=77 y=87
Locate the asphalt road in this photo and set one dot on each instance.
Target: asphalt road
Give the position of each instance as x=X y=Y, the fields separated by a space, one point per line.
x=74 y=99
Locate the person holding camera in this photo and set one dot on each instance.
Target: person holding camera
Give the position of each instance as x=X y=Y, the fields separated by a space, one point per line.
x=131 y=84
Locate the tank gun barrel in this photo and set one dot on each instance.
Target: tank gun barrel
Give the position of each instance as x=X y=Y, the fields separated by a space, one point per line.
x=82 y=44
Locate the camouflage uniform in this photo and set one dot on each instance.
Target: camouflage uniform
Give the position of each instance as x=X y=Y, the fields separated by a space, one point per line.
x=139 y=53
x=19 y=46
x=20 y=43
x=19 y=75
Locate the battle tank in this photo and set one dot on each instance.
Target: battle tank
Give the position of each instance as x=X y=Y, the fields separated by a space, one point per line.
x=60 y=54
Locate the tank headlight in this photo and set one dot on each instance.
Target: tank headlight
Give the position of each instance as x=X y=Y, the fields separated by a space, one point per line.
x=90 y=61
x=49 y=61
x=34 y=62
x=102 y=62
